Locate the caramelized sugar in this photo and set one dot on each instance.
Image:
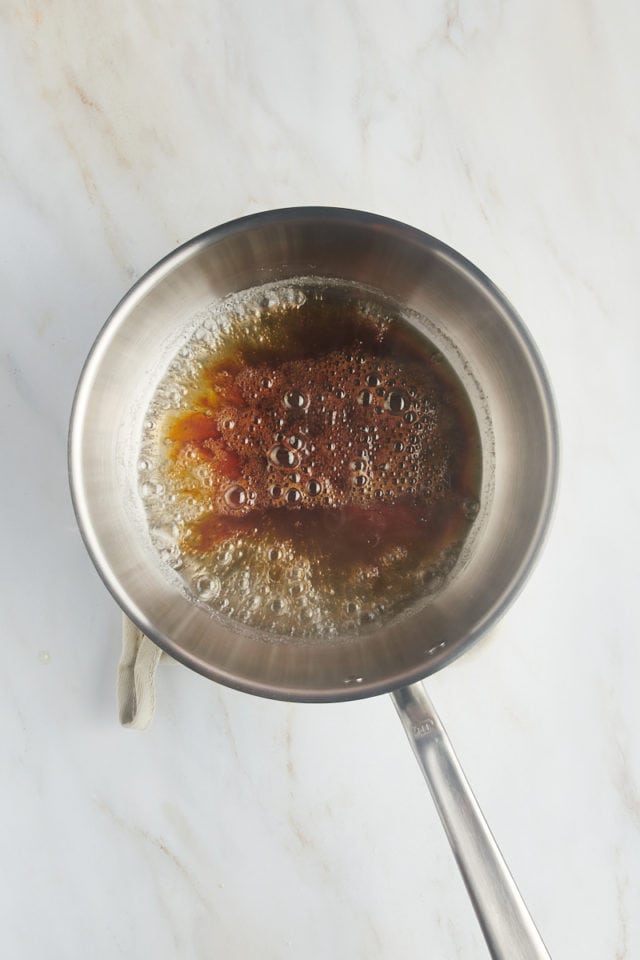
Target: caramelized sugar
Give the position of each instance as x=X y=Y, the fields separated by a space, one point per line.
x=318 y=462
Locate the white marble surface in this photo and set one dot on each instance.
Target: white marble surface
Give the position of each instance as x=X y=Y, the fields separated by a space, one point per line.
x=242 y=828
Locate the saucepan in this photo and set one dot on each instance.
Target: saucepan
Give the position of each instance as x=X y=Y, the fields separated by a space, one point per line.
x=489 y=347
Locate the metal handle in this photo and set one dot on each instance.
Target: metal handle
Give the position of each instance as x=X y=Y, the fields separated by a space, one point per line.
x=506 y=923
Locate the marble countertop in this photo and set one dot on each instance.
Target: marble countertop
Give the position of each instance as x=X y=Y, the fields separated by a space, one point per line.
x=237 y=827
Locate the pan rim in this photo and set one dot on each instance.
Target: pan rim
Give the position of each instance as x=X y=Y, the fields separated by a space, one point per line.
x=163 y=268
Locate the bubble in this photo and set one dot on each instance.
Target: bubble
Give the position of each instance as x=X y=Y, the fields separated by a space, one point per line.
x=172 y=556
x=373 y=380
x=358 y=465
x=398 y=446
x=235 y=496
x=282 y=456
x=166 y=533
x=275 y=491
x=298 y=296
x=432 y=582
x=207 y=588
x=278 y=605
x=314 y=488
x=340 y=394
x=360 y=480
x=470 y=508
x=267 y=383
x=296 y=589
x=296 y=442
x=352 y=608
x=143 y=465
x=274 y=554
x=293 y=495
x=365 y=398
x=409 y=417
x=294 y=400
x=395 y=402
x=228 y=424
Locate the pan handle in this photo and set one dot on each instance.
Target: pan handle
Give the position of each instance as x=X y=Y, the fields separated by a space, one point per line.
x=506 y=923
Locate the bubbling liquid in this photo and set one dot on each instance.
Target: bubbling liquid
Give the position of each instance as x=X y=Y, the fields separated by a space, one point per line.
x=310 y=463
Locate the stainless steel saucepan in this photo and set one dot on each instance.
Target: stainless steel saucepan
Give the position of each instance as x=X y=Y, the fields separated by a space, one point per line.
x=487 y=344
